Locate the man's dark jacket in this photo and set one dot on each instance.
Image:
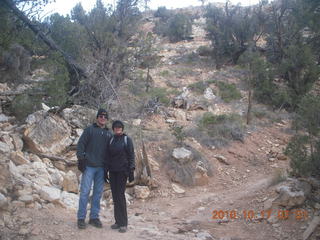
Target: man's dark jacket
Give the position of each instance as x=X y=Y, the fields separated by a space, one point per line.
x=120 y=155
x=92 y=145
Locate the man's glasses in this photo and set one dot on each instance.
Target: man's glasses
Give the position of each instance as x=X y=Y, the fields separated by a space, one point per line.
x=102 y=116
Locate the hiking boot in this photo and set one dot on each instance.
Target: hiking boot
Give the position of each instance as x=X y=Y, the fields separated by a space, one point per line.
x=115 y=226
x=95 y=222
x=81 y=224
x=123 y=229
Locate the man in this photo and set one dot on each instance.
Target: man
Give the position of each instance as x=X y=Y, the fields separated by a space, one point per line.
x=91 y=154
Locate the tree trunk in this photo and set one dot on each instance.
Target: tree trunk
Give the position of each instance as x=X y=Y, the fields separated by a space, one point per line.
x=249 y=107
x=75 y=71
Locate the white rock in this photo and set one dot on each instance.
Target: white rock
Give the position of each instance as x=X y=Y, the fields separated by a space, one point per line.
x=141 y=192
x=48 y=135
x=182 y=155
x=71 y=200
x=170 y=121
x=50 y=194
x=208 y=94
x=136 y=122
x=177 y=188
x=26 y=198
x=45 y=107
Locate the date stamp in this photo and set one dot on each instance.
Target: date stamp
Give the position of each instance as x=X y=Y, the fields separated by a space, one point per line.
x=249 y=214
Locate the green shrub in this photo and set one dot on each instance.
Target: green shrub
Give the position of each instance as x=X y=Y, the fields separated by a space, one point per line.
x=221 y=128
x=204 y=51
x=179 y=133
x=179 y=27
x=304 y=149
x=163 y=13
x=198 y=87
x=161 y=94
x=25 y=104
x=228 y=92
x=164 y=73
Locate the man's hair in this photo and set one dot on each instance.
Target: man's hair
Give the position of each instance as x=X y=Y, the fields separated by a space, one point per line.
x=102 y=111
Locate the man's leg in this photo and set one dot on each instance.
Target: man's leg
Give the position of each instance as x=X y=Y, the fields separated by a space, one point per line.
x=85 y=186
x=98 y=185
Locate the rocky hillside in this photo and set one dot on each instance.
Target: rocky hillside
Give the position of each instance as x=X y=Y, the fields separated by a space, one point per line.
x=215 y=178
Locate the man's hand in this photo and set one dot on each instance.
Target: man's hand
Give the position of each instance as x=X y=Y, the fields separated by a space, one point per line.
x=82 y=164
x=131 y=175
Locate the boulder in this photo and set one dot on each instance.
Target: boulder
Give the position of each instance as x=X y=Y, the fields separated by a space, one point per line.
x=293 y=194
x=70 y=200
x=17 y=142
x=56 y=176
x=49 y=135
x=4 y=148
x=36 y=117
x=70 y=182
x=79 y=116
x=36 y=172
x=182 y=155
x=50 y=194
x=18 y=158
x=141 y=192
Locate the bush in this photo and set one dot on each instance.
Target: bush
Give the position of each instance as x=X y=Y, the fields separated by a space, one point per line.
x=179 y=27
x=163 y=13
x=204 y=51
x=25 y=104
x=304 y=149
x=228 y=92
x=198 y=87
x=220 y=129
x=179 y=133
x=161 y=94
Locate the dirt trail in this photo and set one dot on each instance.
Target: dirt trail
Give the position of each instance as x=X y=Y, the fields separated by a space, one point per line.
x=188 y=215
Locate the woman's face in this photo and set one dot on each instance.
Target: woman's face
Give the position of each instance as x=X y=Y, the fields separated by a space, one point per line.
x=117 y=130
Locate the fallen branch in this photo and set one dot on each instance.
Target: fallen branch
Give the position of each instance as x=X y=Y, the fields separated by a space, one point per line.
x=221 y=159
x=58 y=159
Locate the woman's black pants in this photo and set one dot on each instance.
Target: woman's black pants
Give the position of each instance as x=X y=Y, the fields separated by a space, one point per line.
x=118 y=182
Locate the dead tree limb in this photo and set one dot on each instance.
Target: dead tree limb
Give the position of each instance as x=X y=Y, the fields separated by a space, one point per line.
x=58 y=159
x=75 y=71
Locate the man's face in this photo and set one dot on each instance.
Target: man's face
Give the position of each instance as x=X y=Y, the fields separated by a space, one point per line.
x=102 y=119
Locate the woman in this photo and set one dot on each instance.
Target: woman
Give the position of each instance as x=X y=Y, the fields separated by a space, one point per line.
x=120 y=165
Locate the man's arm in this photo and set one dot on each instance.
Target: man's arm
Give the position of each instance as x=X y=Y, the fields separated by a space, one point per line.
x=81 y=149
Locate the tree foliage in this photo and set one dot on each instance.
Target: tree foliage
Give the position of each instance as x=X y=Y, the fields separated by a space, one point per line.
x=176 y=27
x=304 y=149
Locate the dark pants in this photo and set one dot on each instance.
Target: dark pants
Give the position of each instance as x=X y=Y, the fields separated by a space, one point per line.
x=118 y=182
